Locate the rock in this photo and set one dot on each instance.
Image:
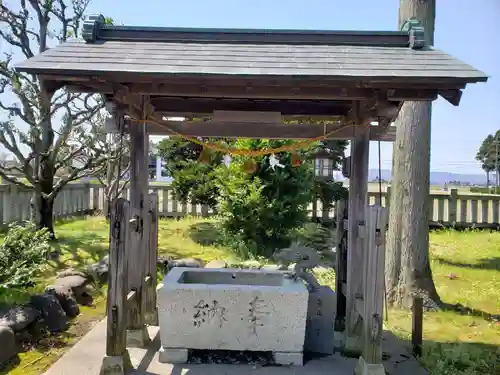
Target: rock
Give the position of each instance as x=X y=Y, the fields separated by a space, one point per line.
x=53 y=314
x=83 y=296
x=271 y=267
x=70 y=272
x=78 y=285
x=100 y=270
x=216 y=264
x=8 y=344
x=66 y=298
x=72 y=282
x=18 y=318
x=187 y=262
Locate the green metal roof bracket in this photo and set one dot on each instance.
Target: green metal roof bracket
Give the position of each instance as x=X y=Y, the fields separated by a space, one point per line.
x=91 y=27
x=415 y=32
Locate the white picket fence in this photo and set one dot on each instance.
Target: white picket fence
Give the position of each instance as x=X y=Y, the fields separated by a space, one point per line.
x=462 y=209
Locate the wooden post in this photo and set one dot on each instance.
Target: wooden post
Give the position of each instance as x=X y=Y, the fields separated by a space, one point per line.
x=452 y=207
x=117 y=359
x=151 y=310
x=373 y=292
x=358 y=190
x=137 y=335
x=341 y=266
x=417 y=326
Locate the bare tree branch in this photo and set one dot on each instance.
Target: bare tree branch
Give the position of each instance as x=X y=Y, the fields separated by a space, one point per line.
x=43 y=149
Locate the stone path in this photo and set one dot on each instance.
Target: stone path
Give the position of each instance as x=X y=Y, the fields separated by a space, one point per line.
x=86 y=356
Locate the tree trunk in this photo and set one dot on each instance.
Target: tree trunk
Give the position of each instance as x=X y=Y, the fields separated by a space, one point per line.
x=408 y=271
x=46 y=215
x=46 y=204
x=488 y=179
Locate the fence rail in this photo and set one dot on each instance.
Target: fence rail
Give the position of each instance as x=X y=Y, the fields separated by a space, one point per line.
x=446 y=208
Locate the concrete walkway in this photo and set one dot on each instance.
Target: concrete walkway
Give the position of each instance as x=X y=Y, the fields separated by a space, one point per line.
x=86 y=356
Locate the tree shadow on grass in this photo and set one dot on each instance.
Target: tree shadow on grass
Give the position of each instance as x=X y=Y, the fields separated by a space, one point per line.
x=439 y=357
x=483 y=264
x=469 y=311
x=84 y=249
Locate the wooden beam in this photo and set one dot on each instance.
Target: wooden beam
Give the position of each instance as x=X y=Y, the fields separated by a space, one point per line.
x=424 y=83
x=451 y=96
x=257 y=91
x=285 y=107
x=254 y=130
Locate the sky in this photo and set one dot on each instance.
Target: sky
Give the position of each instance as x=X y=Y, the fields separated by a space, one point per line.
x=466 y=29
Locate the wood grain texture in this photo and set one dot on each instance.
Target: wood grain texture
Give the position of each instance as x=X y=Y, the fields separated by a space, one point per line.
x=358 y=186
x=117 y=285
x=138 y=238
x=151 y=311
x=373 y=287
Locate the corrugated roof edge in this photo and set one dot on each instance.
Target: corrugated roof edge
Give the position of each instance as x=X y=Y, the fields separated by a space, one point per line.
x=95 y=29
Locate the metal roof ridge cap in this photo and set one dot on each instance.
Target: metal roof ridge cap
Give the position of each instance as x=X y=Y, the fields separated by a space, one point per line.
x=95 y=28
x=416 y=33
x=91 y=27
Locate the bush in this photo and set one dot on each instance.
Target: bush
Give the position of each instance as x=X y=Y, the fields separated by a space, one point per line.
x=485 y=190
x=262 y=207
x=315 y=236
x=22 y=256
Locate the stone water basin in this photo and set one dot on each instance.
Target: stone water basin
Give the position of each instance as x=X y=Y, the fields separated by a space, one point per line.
x=231 y=309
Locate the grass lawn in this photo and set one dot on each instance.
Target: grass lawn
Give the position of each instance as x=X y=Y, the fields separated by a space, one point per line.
x=455 y=343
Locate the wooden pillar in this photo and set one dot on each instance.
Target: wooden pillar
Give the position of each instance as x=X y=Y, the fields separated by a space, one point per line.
x=137 y=335
x=117 y=359
x=151 y=310
x=358 y=189
x=370 y=362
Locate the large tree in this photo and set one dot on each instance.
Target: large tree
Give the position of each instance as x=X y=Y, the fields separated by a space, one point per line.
x=408 y=271
x=489 y=156
x=44 y=129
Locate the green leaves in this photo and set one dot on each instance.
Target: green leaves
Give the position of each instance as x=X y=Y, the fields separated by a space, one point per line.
x=22 y=256
x=489 y=152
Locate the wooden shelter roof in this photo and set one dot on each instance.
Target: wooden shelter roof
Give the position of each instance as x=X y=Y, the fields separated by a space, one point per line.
x=292 y=72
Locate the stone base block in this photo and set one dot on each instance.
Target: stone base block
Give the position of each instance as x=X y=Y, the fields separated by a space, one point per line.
x=288 y=358
x=363 y=368
x=173 y=355
x=138 y=338
x=116 y=365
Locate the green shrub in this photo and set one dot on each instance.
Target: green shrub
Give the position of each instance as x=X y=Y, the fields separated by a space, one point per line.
x=259 y=209
x=485 y=190
x=23 y=254
x=315 y=236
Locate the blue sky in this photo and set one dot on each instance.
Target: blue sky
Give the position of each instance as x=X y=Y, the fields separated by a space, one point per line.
x=466 y=29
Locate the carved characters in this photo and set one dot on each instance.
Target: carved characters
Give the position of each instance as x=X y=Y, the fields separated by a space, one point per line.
x=256 y=313
x=205 y=312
